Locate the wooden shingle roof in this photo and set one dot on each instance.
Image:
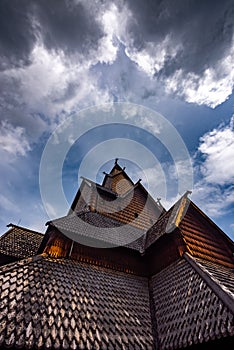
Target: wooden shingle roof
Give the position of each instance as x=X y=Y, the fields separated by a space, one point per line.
x=204 y=239
x=188 y=309
x=200 y=236
x=20 y=242
x=98 y=230
x=168 y=285
x=118 y=198
x=63 y=304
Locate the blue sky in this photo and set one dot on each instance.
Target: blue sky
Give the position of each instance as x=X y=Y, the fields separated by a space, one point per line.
x=58 y=58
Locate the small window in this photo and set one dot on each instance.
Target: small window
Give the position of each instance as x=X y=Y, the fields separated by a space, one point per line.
x=136 y=215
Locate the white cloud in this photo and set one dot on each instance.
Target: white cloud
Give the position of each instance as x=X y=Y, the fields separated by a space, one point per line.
x=153 y=57
x=217 y=147
x=13 y=140
x=108 y=45
x=53 y=83
x=161 y=181
x=160 y=60
x=214 y=191
x=215 y=201
x=50 y=88
x=211 y=88
x=153 y=178
x=151 y=124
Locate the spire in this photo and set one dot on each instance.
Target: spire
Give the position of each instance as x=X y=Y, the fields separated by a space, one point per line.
x=117 y=180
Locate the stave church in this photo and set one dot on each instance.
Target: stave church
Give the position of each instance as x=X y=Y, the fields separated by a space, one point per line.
x=118 y=271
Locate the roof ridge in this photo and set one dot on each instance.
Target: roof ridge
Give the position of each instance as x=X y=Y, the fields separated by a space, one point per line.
x=219 y=289
x=178 y=212
x=24 y=228
x=113 y=175
x=85 y=211
x=152 y=229
x=120 y=170
x=69 y=215
x=99 y=185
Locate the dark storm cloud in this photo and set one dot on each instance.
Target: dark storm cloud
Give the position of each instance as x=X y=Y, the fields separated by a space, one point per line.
x=61 y=25
x=204 y=28
x=67 y=25
x=16 y=33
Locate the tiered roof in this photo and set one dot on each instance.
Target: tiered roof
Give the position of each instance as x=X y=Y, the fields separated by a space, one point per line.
x=119 y=199
x=167 y=286
x=117 y=180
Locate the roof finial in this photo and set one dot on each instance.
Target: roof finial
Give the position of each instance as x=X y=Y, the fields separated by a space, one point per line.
x=116 y=160
x=158 y=201
x=187 y=193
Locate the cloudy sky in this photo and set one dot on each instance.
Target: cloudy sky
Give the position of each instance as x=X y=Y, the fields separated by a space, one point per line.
x=59 y=57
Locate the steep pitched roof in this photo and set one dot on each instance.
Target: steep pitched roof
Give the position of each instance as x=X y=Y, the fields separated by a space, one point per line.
x=201 y=237
x=219 y=278
x=99 y=298
x=204 y=239
x=117 y=180
x=158 y=229
x=135 y=207
x=20 y=242
x=85 y=227
x=119 y=199
x=60 y=303
x=191 y=306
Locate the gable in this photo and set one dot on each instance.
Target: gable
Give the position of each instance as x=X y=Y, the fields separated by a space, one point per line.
x=185 y=228
x=117 y=180
x=135 y=208
x=204 y=239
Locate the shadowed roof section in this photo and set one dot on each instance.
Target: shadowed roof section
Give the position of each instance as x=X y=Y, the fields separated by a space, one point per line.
x=20 y=242
x=67 y=304
x=99 y=282
x=201 y=236
x=64 y=303
x=92 y=227
x=189 y=307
